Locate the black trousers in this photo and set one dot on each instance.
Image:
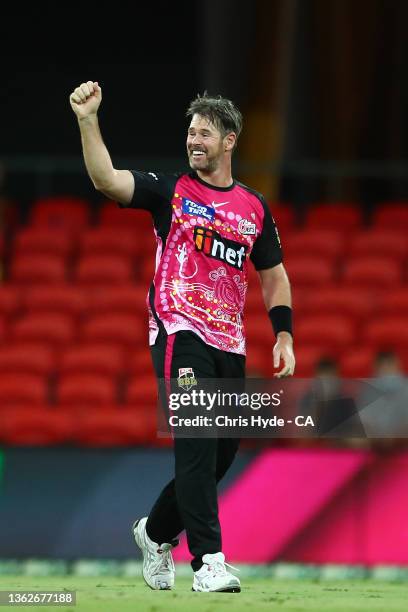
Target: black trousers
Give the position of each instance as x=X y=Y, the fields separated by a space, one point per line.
x=189 y=501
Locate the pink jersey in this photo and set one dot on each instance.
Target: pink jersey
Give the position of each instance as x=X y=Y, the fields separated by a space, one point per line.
x=205 y=237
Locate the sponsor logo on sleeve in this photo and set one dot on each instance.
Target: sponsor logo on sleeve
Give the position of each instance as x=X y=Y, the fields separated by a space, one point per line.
x=197 y=210
x=212 y=244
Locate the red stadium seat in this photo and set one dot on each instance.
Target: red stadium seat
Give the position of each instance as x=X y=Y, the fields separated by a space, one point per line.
x=140 y=362
x=379 y=242
x=357 y=362
x=86 y=390
x=66 y=299
x=54 y=328
x=104 y=269
x=10 y=300
x=315 y=243
x=36 y=269
x=392 y=214
x=121 y=328
x=123 y=427
x=395 y=302
x=142 y=390
x=284 y=216
x=326 y=331
x=340 y=216
x=259 y=361
x=2 y=329
x=387 y=333
x=372 y=272
x=112 y=215
x=36 y=426
x=351 y=301
x=125 y=299
x=259 y=332
x=22 y=388
x=43 y=241
x=110 y=241
x=101 y=359
x=61 y=212
x=309 y=271
x=27 y=358
x=307 y=358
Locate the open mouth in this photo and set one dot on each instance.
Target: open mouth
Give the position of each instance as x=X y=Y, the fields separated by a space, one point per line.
x=197 y=154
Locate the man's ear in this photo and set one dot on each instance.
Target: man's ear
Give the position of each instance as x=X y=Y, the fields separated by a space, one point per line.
x=229 y=141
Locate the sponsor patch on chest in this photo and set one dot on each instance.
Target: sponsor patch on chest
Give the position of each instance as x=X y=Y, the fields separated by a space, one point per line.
x=246 y=228
x=197 y=210
x=212 y=244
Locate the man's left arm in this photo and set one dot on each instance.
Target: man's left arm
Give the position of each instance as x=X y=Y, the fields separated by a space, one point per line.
x=277 y=297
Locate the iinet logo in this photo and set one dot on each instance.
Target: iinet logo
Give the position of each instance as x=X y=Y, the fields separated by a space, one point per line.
x=212 y=244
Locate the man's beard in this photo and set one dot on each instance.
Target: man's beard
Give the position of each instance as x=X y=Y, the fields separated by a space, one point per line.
x=210 y=166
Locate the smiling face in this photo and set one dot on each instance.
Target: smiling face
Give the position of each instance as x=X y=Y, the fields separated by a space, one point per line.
x=206 y=147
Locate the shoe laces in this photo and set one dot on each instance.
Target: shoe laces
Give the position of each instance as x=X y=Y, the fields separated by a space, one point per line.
x=218 y=568
x=162 y=561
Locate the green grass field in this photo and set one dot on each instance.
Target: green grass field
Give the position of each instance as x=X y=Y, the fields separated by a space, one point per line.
x=109 y=594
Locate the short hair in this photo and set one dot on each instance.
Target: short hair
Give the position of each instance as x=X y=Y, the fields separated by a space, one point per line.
x=221 y=112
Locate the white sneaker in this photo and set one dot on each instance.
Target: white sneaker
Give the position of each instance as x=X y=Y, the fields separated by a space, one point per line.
x=158 y=565
x=213 y=576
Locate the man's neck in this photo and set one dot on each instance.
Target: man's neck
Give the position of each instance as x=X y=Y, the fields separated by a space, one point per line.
x=218 y=178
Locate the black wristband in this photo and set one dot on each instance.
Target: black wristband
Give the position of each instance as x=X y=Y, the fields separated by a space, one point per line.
x=281 y=319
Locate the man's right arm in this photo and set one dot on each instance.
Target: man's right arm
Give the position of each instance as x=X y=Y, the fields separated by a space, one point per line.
x=116 y=184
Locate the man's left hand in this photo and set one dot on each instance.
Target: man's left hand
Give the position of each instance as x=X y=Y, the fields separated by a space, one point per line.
x=283 y=349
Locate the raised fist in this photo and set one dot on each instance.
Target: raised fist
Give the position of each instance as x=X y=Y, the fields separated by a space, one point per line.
x=85 y=99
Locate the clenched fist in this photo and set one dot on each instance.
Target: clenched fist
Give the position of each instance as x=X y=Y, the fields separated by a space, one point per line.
x=85 y=99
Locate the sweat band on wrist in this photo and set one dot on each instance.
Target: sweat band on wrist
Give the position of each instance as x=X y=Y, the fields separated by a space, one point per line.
x=281 y=319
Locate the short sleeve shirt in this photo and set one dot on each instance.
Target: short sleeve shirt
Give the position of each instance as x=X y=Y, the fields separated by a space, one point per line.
x=205 y=238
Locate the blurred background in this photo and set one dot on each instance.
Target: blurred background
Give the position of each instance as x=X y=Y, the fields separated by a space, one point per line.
x=323 y=90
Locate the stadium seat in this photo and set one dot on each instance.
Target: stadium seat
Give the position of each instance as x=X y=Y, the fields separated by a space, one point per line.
x=387 y=333
x=120 y=328
x=36 y=426
x=101 y=359
x=10 y=300
x=372 y=272
x=66 y=299
x=395 y=302
x=115 y=427
x=111 y=215
x=259 y=361
x=284 y=216
x=391 y=214
x=43 y=241
x=129 y=299
x=104 y=269
x=379 y=242
x=142 y=390
x=314 y=243
x=307 y=358
x=22 y=388
x=140 y=362
x=110 y=241
x=336 y=299
x=53 y=328
x=309 y=271
x=331 y=332
x=336 y=216
x=27 y=358
x=357 y=362
x=37 y=269
x=259 y=332
x=61 y=212
x=86 y=390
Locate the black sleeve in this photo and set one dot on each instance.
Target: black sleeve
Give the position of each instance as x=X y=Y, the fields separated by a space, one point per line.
x=152 y=189
x=266 y=252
